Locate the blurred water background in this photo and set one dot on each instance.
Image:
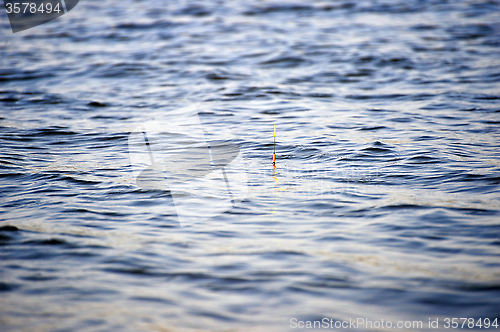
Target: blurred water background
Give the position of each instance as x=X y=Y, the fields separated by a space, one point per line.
x=384 y=204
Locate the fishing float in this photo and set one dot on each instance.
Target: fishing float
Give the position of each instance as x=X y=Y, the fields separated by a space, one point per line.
x=274 y=149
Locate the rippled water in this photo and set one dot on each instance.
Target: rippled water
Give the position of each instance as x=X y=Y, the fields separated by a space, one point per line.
x=384 y=203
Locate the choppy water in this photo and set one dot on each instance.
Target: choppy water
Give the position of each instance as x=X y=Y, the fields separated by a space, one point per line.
x=384 y=203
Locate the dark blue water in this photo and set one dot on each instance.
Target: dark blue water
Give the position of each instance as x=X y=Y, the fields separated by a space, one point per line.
x=385 y=203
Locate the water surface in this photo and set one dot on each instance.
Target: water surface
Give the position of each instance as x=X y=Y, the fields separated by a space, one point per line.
x=384 y=203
